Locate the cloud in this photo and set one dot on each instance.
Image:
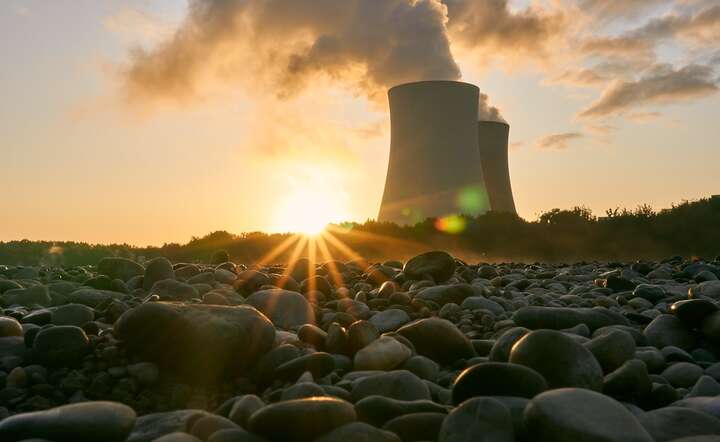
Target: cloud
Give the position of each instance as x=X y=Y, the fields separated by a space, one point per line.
x=558 y=141
x=661 y=84
x=368 y=45
x=643 y=117
x=492 y=25
x=702 y=27
x=607 y=10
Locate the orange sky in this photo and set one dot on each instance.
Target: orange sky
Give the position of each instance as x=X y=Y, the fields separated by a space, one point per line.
x=605 y=110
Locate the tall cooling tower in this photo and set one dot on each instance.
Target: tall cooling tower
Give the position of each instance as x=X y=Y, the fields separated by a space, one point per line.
x=434 y=167
x=493 y=137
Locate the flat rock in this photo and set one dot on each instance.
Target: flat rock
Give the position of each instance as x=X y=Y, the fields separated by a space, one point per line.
x=558 y=318
x=445 y=294
x=83 y=422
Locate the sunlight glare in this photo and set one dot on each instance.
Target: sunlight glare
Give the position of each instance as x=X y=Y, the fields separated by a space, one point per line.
x=308 y=210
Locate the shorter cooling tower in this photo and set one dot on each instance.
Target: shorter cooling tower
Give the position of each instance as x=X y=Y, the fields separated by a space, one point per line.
x=493 y=142
x=434 y=168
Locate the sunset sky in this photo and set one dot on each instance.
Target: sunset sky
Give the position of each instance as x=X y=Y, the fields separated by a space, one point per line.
x=150 y=121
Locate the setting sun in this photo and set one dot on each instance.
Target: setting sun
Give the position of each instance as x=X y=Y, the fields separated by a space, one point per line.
x=310 y=209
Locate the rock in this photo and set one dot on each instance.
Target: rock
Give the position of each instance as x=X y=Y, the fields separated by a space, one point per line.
x=157 y=269
x=358 y=432
x=667 y=330
x=377 y=410
x=445 y=294
x=705 y=386
x=152 y=426
x=145 y=373
x=230 y=339
x=559 y=359
x=92 y=297
x=482 y=303
x=313 y=335
x=301 y=419
x=384 y=353
x=478 y=419
x=38 y=295
x=302 y=390
x=360 y=334
x=612 y=349
x=416 y=427
x=438 y=339
x=576 y=414
x=244 y=407
x=319 y=364
x=61 y=346
x=83 y=422
x=692 y=311
x=286 y=309
x=119 y=268
x=558 y=318
x=710 y=327
x=708 y=290
x=72 y=314
x=208 y=425
x=235 y=435
x=630 y=381
x=10 y=327
x=500 y=351
x=709 y=405
x=172 y=290
x=389 y=320
x=398 y=384
x=669 y=423
x=652 y=293
x=497 y=379
x=422 y=367
x=682 y=374
x=177 y=437
x=436 y=264
x=249 y=281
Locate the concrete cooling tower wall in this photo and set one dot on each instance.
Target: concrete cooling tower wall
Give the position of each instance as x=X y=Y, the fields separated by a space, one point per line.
x=434 y=168
x=493 y=142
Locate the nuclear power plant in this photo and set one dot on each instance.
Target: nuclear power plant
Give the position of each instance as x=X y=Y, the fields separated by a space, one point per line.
x=443 y=161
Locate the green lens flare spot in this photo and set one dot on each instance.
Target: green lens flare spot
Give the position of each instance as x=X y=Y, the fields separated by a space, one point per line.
x=473 y=200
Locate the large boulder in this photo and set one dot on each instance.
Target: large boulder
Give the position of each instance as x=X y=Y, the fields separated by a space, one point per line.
x=200 y=342
x=436 y=264
x=286 y=309
x=438 y=339
x=119 y=268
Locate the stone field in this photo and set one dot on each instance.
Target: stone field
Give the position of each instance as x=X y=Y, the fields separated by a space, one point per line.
x=430 y=349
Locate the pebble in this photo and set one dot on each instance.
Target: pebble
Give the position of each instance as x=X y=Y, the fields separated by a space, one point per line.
x=438 y=339
x=62 y=345
x=385 y=353
x=497 y=379
x=397 y=384
x=286 y=309
x=478 y=420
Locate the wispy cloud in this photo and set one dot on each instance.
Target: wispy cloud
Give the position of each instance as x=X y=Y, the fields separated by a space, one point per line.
x=559 y=141
x=661 y=84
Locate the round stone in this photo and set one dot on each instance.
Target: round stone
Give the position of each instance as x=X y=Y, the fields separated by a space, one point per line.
x=61 y=346
x=438 y=339
x=667 y=330
x=670 y=423
x=385 y=353
x=359 y=432
x=301 y=419
x=577 y=414
x=377 y=410
x=436 y=264
x=157 y=270
x=83 y=422
x=398 y=384
x=119 y=268
x=478 y=419
x=72 y=314
x=612 y=349
x=682 y=374
x=559 y=359
x=286 y=309
x=10 y=327
x=692 y=311
x=497 y=379
x=389 y=320
x=500 y=351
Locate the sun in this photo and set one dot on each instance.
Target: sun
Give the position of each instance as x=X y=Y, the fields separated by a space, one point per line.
x=308 y=210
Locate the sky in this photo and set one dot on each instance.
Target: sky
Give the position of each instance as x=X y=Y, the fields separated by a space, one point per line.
x=152 y=121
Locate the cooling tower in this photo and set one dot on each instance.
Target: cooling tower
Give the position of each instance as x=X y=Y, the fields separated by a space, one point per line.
x=493 y=139
x=434 y=168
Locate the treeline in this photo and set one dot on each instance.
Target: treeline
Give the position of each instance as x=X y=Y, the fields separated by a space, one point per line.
x=687 y=229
